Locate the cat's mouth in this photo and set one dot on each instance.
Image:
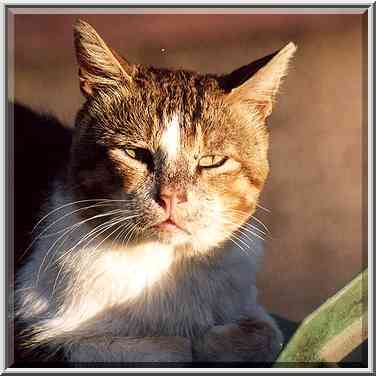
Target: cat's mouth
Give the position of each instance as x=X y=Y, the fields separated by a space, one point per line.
x=170 y=225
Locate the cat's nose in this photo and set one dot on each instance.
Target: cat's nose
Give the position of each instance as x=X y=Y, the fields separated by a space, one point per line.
x=171 y=197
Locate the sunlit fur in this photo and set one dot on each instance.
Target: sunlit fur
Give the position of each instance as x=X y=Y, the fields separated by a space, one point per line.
x=100 y=266
x=170 y=140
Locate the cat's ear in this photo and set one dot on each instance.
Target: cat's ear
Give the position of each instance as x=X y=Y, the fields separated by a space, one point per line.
x=99 y=65
x=257 y=84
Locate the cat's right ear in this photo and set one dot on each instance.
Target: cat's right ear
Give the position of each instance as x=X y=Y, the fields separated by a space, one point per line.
x=99 y=65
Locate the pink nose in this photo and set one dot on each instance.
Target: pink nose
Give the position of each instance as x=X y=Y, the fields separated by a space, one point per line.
x=170 y=197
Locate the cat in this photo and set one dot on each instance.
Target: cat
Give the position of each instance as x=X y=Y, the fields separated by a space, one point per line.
x=144 y=251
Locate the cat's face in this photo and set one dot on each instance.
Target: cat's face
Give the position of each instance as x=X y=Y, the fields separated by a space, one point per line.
x=184 y=155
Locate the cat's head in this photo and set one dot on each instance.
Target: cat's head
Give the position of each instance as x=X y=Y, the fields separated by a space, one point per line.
x=185 y=154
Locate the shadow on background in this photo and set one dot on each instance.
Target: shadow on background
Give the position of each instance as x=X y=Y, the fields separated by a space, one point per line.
x=41 y=150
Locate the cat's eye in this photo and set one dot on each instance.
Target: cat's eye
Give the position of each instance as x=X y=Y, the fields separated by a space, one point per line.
x=131 y=153
x=211 y=161
x=141 y=155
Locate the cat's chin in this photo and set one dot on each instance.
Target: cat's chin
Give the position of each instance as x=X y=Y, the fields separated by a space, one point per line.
x=177 y=236
x=173 y=236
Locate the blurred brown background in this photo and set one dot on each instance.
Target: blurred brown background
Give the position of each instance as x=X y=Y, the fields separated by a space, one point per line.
x=314 y=192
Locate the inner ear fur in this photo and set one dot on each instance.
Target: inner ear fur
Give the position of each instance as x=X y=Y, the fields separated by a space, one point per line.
x=257 y=84
x=98 y=64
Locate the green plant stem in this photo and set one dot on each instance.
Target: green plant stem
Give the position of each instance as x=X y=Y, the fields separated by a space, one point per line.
x=332 y=331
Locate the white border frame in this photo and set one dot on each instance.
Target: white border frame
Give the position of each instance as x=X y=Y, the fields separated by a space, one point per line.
x=210 y=4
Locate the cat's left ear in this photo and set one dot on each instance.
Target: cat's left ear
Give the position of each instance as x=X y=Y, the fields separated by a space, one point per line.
x=99 y=65
x=257 y=84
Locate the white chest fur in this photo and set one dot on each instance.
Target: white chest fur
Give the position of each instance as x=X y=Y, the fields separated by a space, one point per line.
x=141 y=290
x=115 y=276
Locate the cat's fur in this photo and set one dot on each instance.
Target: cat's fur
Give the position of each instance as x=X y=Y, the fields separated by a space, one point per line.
x=138 y=293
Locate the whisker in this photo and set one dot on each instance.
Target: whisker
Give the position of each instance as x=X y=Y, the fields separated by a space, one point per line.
x=240 y=240
x=240 y=231
x=128 y=237
x=238 y=212
x=92 y=232
x=263 y=208
x=70 y=229
x=94 y=250
x=123 y=227
x=63 y=229
x=76 y=211
x=238 y=245
x=99 y=230
x=246 y=227
x=261 y=223
x=73 y=203
x=46 y=236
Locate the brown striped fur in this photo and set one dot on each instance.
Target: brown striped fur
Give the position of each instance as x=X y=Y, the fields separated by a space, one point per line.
x=142 y=135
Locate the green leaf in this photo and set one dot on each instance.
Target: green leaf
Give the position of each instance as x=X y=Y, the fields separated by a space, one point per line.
x=332 y=331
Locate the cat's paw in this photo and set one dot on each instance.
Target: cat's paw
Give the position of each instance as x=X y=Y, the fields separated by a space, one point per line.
x=132 y=350
x=247 y=341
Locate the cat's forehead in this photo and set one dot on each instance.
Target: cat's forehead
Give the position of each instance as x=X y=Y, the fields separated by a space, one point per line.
x=170 y=91
x=163 y=109
x=172 y=81
x=170 y=137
